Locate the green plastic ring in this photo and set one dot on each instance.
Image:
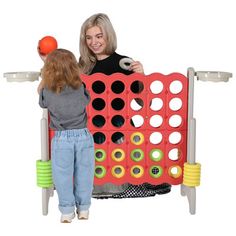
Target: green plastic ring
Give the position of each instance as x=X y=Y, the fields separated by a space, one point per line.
x=102 y=171
x=159 y=152
x=44 y=174
x=103 y=155
x=139 y=151
x=158 y=174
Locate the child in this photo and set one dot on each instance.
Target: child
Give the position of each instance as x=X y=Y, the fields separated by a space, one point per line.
x=72 y=147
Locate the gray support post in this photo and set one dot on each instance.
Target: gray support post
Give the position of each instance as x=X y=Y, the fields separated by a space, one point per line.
x=190 y=192
x=46 y=192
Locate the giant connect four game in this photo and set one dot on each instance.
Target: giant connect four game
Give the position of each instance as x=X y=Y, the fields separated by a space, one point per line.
x=139 y=125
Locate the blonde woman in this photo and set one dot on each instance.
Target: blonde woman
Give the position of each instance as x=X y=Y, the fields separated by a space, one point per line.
x=98 y=44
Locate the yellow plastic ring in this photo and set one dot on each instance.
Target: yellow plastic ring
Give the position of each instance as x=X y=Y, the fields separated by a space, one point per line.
x=118 y=171
x=192 y=174
x=178 y=171
x=137 y=171
x=137 y=138
x=118 y=155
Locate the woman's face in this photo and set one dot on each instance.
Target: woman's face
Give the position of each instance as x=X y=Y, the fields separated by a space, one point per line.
x=96 y=42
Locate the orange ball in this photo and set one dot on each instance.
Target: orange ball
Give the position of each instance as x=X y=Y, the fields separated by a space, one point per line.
x=46 y=45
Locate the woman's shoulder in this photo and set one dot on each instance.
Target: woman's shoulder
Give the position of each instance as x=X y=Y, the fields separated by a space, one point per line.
x=118 y=56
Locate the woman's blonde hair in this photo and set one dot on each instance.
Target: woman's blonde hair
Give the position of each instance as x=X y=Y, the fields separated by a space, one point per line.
x=87 y=58
x=60 y=70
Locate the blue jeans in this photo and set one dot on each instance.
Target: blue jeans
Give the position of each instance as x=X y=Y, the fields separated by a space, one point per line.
x=73 y=168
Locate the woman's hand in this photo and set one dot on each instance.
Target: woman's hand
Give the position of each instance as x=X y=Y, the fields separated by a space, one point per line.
x=137 y=67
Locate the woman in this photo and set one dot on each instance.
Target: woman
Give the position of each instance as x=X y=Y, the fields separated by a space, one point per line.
x=98 y=45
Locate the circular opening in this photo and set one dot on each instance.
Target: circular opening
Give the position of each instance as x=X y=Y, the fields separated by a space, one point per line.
x=136 y=138
x=175 y=104
x=156 y=87
x=136 y=104
x=174 y=154
x=175 y=138
x=137 y=86
x=137 y=121
x=156 y=154
x=156 y=121
x=175 y=121
x=117 y=104
x=117 y=170
x=98 y=170
x=99 y=137
x=98 y=121
x=174 y=170
x=98 y=104
x=155 y=171
x=100 y=155
x=98 y=87
x=156 y=104
x=117 y=120
x=155 y=138
x=118 y=155
x=176 y=87
x=137 y=155
x=117 y=87
x=118 y=138
x=136 y=170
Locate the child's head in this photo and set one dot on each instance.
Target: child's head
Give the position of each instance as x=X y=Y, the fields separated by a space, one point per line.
x=61 y=69
x=102 y=23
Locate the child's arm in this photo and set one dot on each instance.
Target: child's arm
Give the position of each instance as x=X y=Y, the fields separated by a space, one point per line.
x=40 y=86
x=87 y=96
x=42 y=100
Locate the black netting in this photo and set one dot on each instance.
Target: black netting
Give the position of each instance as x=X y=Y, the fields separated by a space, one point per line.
x=135 y=191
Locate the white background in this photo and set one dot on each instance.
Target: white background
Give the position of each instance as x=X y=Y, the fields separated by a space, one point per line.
x=166 y=36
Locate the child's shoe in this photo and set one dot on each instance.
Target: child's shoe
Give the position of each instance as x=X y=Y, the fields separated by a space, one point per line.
x=83 y=215
x=67 y=218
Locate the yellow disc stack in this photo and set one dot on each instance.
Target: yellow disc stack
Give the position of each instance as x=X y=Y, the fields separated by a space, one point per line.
x=192 y=173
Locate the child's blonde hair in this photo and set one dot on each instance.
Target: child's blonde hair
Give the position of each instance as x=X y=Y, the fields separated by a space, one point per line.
x=60 y=70
x=87 y=58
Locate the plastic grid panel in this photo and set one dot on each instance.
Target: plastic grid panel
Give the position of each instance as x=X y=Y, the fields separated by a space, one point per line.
x=174 y=104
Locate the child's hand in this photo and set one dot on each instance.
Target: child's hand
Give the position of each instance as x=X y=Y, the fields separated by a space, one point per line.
x=137 y=67
x=43 y=57
x=40 y=86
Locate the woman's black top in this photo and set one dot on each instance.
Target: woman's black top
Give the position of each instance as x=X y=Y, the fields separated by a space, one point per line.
x=110 y=65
